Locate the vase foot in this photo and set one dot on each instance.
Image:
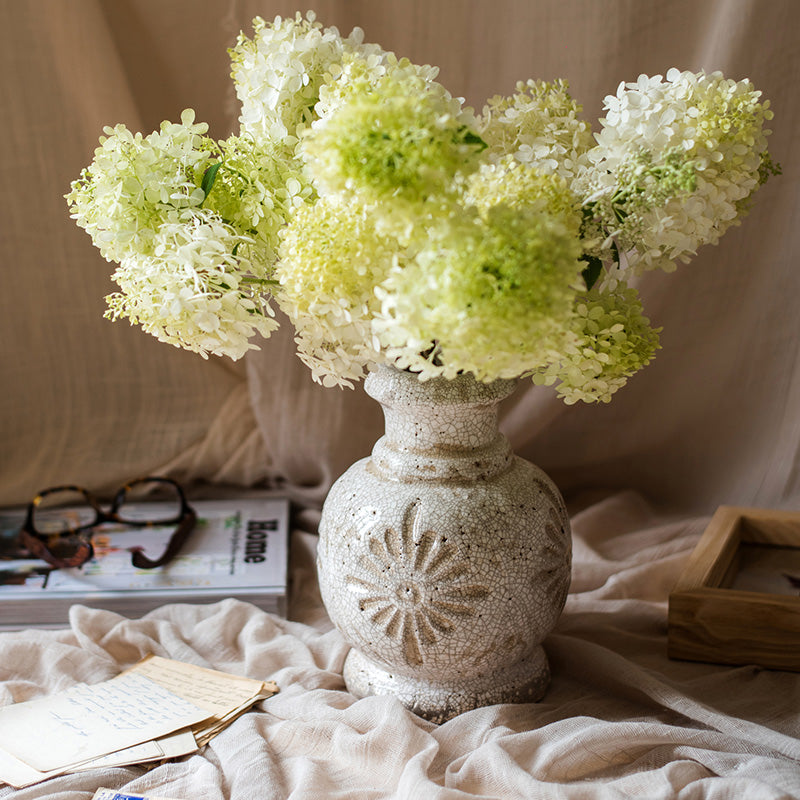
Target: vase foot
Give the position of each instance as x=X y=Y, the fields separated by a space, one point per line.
x=523 y=682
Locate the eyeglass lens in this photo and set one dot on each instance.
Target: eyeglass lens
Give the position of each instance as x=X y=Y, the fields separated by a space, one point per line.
x=149 y=501
x=63 y=510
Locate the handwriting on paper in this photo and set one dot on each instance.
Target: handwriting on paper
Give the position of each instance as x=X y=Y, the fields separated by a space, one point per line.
x=215 y=691
x=90 y=721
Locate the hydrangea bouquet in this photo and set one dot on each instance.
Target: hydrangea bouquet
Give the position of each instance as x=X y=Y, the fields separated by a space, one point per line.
x=392 y=224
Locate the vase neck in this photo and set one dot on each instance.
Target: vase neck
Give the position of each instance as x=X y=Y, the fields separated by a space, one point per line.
x=438 y=430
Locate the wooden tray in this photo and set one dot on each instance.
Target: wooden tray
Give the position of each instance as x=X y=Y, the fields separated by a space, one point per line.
x=738 y=599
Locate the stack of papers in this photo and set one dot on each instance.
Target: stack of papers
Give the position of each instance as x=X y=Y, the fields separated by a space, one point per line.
x=158 y=709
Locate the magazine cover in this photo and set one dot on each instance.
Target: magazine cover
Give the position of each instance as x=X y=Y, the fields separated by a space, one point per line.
x=238 y=548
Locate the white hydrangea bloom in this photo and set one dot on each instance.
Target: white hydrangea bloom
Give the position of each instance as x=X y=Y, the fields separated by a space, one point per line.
x=540 y=126
x=674 y=164
x=278 y=74
x=136 y=183
x=192 y=291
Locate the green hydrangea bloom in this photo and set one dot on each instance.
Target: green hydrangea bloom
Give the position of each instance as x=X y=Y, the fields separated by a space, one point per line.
x=398 y=143
x=364 y=68
x=255 y=189
x=489 y=294
x=509 y=182
x=331 y=259
x=613 y=341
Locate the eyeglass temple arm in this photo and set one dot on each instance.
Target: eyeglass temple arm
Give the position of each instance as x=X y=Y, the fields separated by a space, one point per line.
x=176 y=542
x=39 y=549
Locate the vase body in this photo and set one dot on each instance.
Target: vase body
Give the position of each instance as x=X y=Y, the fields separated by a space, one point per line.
x=444 y=559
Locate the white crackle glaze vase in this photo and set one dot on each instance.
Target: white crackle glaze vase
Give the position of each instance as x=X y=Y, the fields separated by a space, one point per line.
x=444 y=559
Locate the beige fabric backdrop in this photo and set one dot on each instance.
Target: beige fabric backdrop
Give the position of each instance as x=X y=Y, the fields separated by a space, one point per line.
x=716 y=418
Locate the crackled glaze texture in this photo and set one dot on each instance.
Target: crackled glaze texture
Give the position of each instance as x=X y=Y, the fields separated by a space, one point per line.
x=444 y=559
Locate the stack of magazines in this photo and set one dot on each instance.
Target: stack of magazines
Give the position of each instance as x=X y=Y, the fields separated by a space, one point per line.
x=238 y=548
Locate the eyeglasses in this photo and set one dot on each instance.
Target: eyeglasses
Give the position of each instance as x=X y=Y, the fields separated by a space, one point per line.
x=59 y=521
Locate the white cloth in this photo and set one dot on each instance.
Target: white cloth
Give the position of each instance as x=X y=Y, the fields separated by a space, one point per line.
x=619 y=720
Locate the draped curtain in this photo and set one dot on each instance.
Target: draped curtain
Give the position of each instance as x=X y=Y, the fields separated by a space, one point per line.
x=714 y=419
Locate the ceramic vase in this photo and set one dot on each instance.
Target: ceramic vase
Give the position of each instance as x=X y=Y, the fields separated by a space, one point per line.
x=444 y=559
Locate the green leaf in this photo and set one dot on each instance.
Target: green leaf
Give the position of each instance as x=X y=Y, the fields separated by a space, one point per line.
x=592 y=271
x=470 y=137
x=209 y=176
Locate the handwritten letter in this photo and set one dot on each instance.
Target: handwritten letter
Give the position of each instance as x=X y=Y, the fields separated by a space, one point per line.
x=90 y=721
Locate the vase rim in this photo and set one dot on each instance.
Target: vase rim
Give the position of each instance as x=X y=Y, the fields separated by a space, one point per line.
x=388 y=383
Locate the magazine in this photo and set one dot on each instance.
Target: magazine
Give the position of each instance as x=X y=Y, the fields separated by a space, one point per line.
x=238 y=548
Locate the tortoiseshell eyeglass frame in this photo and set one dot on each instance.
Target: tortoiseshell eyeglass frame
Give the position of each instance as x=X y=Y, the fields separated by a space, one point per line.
x=41 y=544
